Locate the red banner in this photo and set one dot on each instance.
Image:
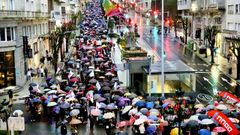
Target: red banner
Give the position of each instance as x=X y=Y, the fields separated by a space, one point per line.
x=229 y=96
x=223 y=120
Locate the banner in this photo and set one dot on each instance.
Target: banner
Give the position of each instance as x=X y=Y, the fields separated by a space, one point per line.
x=229 y=96
x=224 y=121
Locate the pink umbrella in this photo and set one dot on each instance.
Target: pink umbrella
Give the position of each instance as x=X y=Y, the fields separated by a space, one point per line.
x=74 y=79
x=122 y=124
x=219 y=129
x=61 y=92
x=95 y=112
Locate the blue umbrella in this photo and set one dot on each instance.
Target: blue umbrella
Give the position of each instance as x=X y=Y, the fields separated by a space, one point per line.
x=35 y=100
x=204 y=132
x=102 y=105
x=64 y=105
x=140 y=103
x=150 y=130
x=149 y=105
x=165 y=105
x=121 y=103
x=32 y=84
x=144 y=111
x=110 y=106
x=154 y=118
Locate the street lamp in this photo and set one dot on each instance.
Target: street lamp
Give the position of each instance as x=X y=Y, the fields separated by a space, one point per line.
x=162 y=51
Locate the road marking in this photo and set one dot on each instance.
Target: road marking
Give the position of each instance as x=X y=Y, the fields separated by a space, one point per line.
x=202 y=72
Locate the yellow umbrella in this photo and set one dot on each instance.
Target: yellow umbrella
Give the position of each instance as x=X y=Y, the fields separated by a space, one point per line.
x=175 y=131
x=199 y=106
x=127 y=94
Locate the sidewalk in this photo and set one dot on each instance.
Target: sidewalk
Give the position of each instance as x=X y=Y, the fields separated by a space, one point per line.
x=221 y=62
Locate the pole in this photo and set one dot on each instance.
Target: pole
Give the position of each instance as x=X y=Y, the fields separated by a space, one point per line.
x=179 y=117
x=162 y=51
x=150 y=79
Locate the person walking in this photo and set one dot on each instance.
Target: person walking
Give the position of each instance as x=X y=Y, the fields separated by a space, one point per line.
x=10 y=96
x=63 y=129
x=45 y=72
x=29 y=75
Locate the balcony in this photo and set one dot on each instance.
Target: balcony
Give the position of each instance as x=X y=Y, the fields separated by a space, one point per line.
x=9 y=14
x=216 y=5
x=184 y=6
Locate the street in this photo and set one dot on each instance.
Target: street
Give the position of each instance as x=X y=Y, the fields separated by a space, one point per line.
x=209 y=78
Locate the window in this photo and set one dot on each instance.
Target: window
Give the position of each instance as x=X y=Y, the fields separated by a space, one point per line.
x=7 y=34
x=236 y=9
x=236 y=26
x=2 y=34
x=35 y=48
x=230 y=9
x=230 y=26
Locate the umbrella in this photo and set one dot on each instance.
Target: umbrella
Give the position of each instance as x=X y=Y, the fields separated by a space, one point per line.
x=122 y=124
x=194 y=117
x=221 y=107
x=199 y=106
x=51 y=104
x=175 y=131
x=219 y=129
x=108 y=115
x=154 y=112
x=192 y=123
x=43 y=85
x=73 y=80
x=107 y=95
x=133 y=111
x=149 y=105
x=139 y=121
x=33 y=84
x=115 y=97
x=209 y=107
x=18 y=113
x=61 y=92
x=143 y=111
x=150 y=130
x=64 y=105
x=101 y=99
x=95 y=112
x=150 y=98
x=106 y=88
x=53 y=86
x=111 y=106
x=35 y=100
x=46 y=90
x=202 y=116
x=77 y=106
x=102 y=105
x=234 y=120
x=126 y=109
x=140 y=103
x=75 y=121
x=154 y=118
x=96 y=96
x=204 y=132
x=93 y=81
x=206 y=122
x=74 y=112
x=71 y=100
x=52 y=92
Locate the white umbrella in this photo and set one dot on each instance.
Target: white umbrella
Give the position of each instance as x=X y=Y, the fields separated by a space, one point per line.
x=74 y=112
x=199 y=106
x=154 y=112
x=206 y=121
x=108 y=115
x=95 y=112
x=221 y=107
x=194 y=117
x=139 y=121
x=52 y=92
x=51 y=104
x=126 y=109
x=238 y=104
x=18 y=112
x=53 y=86
x=133 y=111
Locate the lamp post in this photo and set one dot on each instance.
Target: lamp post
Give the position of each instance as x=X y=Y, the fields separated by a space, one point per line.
x=162 y=51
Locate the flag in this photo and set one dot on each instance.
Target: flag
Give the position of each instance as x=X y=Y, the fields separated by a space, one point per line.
x=98 y=105
x=132 y=120
x=98 y=86
x=224 y=121
x=115 y=85
x=91 y=74
x=70 y=74
x=229 y=96
x=108 y=6
x=89 y=96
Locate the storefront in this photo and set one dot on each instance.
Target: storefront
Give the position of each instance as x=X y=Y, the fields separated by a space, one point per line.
x=7 y=69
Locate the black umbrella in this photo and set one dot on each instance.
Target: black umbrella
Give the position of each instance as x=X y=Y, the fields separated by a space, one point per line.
x=106 y=88
x=202 y=116
x=32 y=84
x=93 y=81
x=192 y=123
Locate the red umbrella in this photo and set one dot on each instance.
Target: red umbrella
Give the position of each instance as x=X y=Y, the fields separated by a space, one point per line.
x=219 y=129
x=74 y=79
x=122 y=124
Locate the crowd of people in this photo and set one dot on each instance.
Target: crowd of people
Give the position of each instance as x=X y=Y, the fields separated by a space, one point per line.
x=89 y=91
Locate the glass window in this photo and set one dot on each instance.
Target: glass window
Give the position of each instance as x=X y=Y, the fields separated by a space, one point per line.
x=230 y=9
x=9 y=31
x=236 y=9
x=2 y=34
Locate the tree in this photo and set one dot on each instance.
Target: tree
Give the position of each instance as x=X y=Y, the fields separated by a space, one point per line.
x=111 y=23
x=77 y=18
x=184 y=22
x=56 y=41
x=68 y=28
x=210 y=33
x=235 y=50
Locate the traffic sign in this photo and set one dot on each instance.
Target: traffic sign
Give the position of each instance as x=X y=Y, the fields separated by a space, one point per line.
x=204 y=97
x=16 y=123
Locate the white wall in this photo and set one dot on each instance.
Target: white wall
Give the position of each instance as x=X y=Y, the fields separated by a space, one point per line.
x=233 y=20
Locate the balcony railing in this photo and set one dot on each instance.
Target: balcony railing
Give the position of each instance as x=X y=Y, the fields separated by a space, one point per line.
x=216 y=4
x=22 y=14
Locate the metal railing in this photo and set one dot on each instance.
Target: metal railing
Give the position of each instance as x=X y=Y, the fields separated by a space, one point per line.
x=22 y=14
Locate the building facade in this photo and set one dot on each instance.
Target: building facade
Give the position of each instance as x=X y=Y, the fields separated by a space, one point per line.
x=20 y=18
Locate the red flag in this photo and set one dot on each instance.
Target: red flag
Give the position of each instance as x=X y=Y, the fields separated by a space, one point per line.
x=223 y=120
x=229 y=96
x=132 y=120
